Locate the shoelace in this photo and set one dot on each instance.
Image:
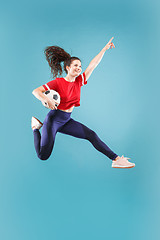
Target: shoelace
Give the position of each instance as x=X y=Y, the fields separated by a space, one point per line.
x=125 y=158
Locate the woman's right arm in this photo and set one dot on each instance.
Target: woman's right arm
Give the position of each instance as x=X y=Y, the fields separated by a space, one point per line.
x=38 y=93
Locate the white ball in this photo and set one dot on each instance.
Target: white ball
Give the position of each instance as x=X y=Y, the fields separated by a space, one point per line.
x=52 y=94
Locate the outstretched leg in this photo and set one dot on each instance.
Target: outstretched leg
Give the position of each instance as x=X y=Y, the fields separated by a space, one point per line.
x=77 y=129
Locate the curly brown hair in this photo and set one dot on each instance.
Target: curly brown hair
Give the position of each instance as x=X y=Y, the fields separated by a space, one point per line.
x=54 y=56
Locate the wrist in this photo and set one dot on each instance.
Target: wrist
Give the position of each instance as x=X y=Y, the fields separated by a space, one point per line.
x=104 y=49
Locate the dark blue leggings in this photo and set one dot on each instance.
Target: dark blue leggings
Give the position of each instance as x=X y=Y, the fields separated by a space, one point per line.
x=60 y=121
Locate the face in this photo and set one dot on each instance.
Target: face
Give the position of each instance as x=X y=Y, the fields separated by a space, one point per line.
x=75 y=68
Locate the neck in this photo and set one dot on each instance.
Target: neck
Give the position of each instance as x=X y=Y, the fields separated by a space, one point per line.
x=70 y=78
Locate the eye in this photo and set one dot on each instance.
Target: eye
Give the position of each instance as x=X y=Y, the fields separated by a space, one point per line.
x=76 y=65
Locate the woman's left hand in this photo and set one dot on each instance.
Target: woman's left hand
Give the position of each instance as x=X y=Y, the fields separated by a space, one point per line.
x=109 y=44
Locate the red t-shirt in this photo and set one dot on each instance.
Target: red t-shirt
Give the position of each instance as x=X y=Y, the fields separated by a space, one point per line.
x=69 y=91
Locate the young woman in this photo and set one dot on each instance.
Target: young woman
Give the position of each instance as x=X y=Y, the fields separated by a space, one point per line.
x=59 y=118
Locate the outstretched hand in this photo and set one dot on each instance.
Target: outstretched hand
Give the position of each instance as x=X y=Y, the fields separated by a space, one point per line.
x=109 y=44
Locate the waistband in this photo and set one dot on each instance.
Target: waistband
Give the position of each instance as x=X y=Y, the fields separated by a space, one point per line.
x=66 y=113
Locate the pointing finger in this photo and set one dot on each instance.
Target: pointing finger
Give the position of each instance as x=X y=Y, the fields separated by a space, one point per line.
x=110 y=40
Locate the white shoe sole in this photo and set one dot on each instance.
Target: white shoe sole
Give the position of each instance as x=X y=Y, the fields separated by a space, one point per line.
x=117 y=166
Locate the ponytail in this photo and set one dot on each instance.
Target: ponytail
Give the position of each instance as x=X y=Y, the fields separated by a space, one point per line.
x=54 y=56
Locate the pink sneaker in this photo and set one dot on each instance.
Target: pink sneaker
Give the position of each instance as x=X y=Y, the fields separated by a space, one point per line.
x=35 y=123
x=122 y=162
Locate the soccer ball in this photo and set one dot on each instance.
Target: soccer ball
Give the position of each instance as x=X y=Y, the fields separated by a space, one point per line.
x=52 y=94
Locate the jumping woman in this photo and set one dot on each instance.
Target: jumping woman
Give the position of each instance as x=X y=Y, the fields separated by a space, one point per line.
x=59 y=118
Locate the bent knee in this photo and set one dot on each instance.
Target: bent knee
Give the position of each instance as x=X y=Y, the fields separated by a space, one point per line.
x=44 y=153
x=43 y=157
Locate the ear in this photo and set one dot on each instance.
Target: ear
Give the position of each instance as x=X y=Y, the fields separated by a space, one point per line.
x=67 y=67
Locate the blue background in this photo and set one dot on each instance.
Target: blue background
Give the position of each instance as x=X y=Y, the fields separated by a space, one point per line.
x=76 y=194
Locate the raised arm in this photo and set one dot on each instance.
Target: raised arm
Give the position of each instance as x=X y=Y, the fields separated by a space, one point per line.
x=96 y=60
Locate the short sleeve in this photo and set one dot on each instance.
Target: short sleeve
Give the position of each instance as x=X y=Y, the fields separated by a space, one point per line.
x=82 y=79
x=52 y=85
